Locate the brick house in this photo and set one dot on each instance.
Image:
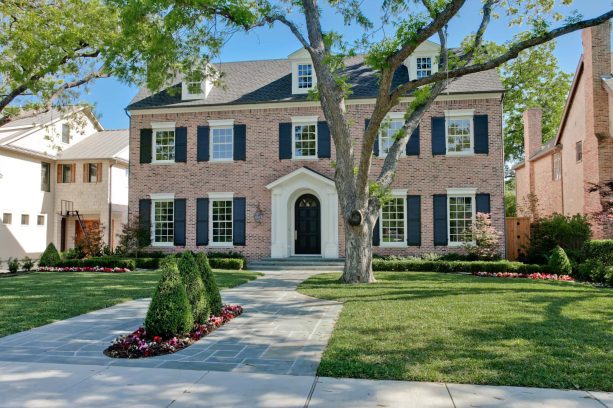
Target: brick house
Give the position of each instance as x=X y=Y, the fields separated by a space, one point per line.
x=61 y=174
x=249 y=166
x=560 y=172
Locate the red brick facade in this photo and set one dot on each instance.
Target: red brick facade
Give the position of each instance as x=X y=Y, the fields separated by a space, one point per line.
x=424 y=175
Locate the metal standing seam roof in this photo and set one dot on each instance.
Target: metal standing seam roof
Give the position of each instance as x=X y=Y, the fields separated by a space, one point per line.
x=252 y=82
x=106 y=144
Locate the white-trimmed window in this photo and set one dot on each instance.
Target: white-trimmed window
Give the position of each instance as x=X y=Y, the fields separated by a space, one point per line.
x=7 y=218
x=459 y=132
x=193 y=83
x=164 y=143
x=424 y=66
x=305 y=76
x=25 y=219
x=304 y=137
x=461 y=215
x=163 y=221
x=40 y=220
x=556 y=172
x=221 y=220
x=65 y=133
x=389 y=131
x=393 y=223
x=222 y=140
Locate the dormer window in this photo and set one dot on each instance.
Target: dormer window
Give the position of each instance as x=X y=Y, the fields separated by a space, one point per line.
x=305 y=76
x=195 y=86
x=424 y=67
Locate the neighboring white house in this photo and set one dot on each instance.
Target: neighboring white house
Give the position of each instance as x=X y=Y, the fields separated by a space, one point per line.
x=60 y=170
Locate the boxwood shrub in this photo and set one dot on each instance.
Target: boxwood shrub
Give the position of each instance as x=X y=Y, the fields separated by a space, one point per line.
x=599 y=250
x=50 y=257
x=102 y=262
x=227 y=263
x=456 y=266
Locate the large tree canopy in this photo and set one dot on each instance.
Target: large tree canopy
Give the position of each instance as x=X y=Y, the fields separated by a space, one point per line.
x=168 y=36
x=51 y=48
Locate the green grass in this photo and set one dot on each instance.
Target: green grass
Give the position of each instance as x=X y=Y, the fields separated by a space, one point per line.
x=35 y=299
x=465 y=329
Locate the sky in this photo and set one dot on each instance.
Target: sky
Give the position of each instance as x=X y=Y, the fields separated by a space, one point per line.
x=110 y=96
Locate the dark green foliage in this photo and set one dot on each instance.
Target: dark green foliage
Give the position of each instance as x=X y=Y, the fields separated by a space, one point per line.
x=227 y=263
x=147 y=263
x=230 y=254
x=50 y=257
x=570 y=233
x=456 y=266
x=28 y=264
x=13 y=265
x=213 y=295
x=194 y=287
x=101 y=262
x=601 y=250
x=594 y=270
x=558 y=262
x=169 y=313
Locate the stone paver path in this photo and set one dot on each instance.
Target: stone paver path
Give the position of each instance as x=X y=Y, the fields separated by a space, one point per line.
x=280 y=332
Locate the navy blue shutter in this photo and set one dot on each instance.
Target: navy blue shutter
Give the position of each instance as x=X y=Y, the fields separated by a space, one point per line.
x=375 y=146
x=413 y=143
x=202 y=221
x=144 y=219
x=482 y=204
x=239 y=218
x=145 y=145
x=285 y=141
x=240 y=142
x=438 y=136
x=323 y=140
x=481 y=134
x=440 y=219
x=203 y=143
x=414 y=220
x=376 y=239
x=181 y=145
x=179 y=221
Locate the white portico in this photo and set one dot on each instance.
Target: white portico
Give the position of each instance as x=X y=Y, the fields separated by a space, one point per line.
x=304 y=215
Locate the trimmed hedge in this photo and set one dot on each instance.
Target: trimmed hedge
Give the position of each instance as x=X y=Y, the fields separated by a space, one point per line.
x=50 y=257
x=457 y=266
x=194 y=287
x=599 y=250
x=100 y=262
x=212 y=291
x=227 y=263
x=147 y=263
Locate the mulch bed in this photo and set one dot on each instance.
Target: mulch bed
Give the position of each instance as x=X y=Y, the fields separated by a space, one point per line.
x=139 y=344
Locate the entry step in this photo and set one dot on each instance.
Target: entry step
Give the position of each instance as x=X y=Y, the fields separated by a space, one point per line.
x=298 y=263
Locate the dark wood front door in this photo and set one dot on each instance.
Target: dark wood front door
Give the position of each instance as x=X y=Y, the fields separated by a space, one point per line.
x=308 y=225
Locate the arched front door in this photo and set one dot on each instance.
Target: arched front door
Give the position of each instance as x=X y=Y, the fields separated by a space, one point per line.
x=308 y=225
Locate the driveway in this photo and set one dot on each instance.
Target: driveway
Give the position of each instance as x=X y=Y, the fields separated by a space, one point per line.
x=280 y=332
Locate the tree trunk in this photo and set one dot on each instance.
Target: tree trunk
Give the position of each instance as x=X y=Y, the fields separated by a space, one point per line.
x=358 y=253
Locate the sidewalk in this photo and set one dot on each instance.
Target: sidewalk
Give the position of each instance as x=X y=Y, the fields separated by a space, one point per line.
x=40 y=385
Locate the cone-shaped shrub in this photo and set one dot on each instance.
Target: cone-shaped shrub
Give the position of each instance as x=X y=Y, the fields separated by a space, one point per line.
x=559 y=263
x=194 y=287
x=212 y=290
x=170 y=313
x=50 y=257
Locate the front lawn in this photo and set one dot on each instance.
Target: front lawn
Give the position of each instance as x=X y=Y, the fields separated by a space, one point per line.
x=35 y=299
x=466 y=329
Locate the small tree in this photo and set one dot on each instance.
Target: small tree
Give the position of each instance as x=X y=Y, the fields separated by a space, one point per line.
x=484 y=239
x=194 y=287
x=570 y=233
x=558 y=262
x=169 y=313
x=91 y=242
x=134 y=238
x=50 y=257
x=212 y=291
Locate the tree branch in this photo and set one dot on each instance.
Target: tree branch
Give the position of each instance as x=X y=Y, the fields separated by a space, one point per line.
x=74 y=84
x=293 y=28
x=485 y=20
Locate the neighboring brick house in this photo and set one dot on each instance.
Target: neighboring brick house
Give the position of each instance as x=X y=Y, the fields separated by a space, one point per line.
x=52 y=165
x=560 y=172
x=249 y=166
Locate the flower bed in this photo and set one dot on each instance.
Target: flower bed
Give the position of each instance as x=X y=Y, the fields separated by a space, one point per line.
x=535 y=276
x=138 y=344
x=81 y=269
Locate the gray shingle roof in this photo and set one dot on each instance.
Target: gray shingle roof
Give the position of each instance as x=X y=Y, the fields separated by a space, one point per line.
x=270 y=81
x=31 y=118
x=106 y=144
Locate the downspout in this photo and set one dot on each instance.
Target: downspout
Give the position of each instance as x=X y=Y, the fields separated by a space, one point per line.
x=504 y=208
x=110 y=203
x=129 y=161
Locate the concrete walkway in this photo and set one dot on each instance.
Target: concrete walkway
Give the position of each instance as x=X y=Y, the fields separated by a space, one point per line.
x=40 y=385
x=280 y=332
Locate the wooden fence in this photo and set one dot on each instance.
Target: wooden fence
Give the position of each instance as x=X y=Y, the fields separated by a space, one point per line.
x=518 y=236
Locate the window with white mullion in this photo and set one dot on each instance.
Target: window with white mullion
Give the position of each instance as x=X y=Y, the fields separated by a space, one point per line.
x=388 y=134
x=393 y=222
x=221 y=225
x=163 y=222
x=461 y=218
x=305 y=141
x=164 y=146
x=424 y=67
x=459 y=135
x=305 y=76
x=222 y=143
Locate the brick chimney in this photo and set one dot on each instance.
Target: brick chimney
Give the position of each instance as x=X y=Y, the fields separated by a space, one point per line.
x=597 y=62
x=533 y=137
